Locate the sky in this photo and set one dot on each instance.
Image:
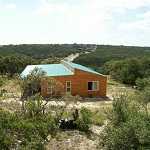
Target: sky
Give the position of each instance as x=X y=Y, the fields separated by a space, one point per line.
x=112 y=22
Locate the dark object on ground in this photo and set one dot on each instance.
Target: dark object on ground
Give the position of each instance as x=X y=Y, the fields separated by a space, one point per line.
x=69 y=123
x=135 y=87
x=75 y=114
x=3 y=90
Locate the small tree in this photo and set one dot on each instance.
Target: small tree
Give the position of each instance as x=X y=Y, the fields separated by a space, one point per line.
x=142 y=83
x=34 y=106
x=128 y=127
x=31 y=84
x=84 y=121
x=2 y=81
x=143 y=98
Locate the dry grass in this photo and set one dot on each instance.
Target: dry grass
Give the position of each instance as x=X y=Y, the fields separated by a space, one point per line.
x=12 y=86
x=114 y=87
x=72 y=140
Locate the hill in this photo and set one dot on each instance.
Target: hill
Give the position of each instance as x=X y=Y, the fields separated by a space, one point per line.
x=44 y=51
x=105 y=53
x=90 y=55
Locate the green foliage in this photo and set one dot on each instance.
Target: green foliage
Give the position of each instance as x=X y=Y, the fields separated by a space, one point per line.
x=14 y=63
x=124 y=137
x=41 y=52
x=35 y=144
x=84 y=121
x=6 y=139
x=105 y=53
x=31 y=84
x=143 y=98
x=119 y=113
x=142 y=83
x=25 y=133
x=133 y=134
x=2 y=81
x=53 y=60
x=128 y=128
x=128 y=71
x=34 y=106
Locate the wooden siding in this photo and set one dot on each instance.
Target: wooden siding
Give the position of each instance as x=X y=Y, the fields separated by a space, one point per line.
x=79 y=84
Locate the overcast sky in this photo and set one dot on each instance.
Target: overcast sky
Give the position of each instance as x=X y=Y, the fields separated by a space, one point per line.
x=114 y=22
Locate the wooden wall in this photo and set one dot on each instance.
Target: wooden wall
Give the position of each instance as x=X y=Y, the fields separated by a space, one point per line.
x=79 y=82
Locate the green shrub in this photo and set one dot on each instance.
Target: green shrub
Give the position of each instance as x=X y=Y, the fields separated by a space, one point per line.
x=6 y=139
x=30 y=132
x=129 y=127
x=2 y=81
x=142 y=83
x=84 y=121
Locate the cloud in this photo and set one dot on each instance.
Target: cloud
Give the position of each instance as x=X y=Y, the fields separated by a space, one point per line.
x=131 y=4
x=144 y=15
x=10 y=6
x=48 y=8
x=86 y=17
x=140 y=24
x=43 y=1
x=95 y=17
x=119 y=10
x=90 y=21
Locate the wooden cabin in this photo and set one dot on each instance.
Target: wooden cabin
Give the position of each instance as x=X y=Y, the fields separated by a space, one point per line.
x=75 y=78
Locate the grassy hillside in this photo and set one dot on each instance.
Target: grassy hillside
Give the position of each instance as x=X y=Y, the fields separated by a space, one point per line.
x=105 y=53
x=94 y=59
x=43 y=51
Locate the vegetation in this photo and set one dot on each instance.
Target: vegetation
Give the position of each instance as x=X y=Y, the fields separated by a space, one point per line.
x=97 y=58
x=43 y=51
x=105 y=53
x=29 y=123
x=98 y=116
x=129 y=70
x=14 y=64
x=14 y=58
x=142 y=83
x=84 y=121
x=128 y=126
x=53 y=60
x=25 y=132
x=2 y=81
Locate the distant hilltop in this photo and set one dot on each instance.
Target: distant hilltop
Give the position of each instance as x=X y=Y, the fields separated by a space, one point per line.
x=89 y=54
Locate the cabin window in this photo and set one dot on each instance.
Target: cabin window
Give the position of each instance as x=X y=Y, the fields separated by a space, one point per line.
x=93 y=86
x=49 y=87
x=68 y=86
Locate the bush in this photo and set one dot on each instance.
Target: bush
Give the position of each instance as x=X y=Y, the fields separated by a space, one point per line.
x=2 y=81
x=142 y=83
x=25 y=133
x=6 y=139
x=129 y=127
x=84 y=121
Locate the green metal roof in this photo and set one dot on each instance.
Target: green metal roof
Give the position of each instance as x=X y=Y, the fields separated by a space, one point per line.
x=80 y=67
x=50 y=69
x=57 y=69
